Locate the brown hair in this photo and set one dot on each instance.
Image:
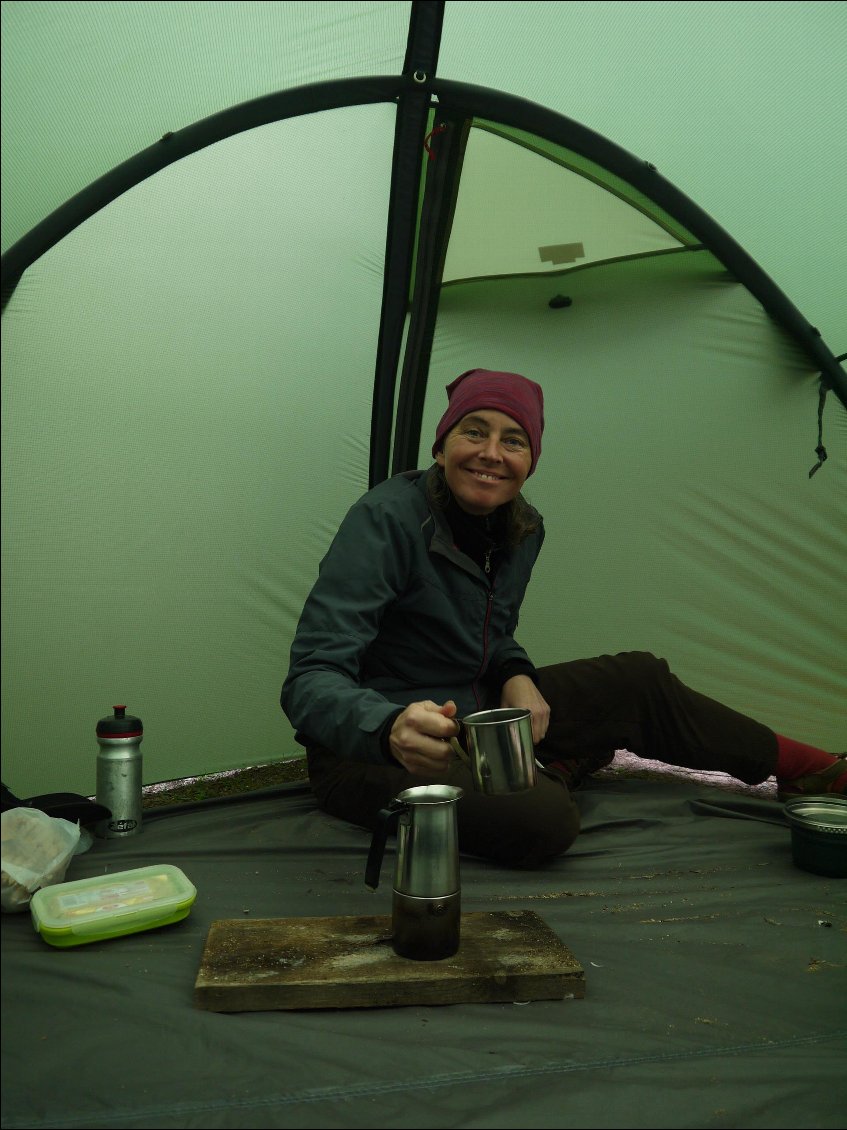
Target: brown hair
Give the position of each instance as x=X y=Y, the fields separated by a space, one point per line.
x=520 y=519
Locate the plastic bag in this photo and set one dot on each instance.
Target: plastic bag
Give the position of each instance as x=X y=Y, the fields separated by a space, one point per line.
x=36 y=851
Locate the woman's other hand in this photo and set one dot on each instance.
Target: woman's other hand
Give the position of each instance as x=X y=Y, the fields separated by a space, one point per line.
x=521 y=693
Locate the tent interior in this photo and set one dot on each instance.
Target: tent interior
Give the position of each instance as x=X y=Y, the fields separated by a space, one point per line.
x=245 y=248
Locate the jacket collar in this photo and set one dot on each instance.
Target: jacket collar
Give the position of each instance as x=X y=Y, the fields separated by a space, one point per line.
x=442 y=539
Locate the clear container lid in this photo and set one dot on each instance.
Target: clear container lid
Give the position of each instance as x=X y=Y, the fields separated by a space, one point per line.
x=102 y=901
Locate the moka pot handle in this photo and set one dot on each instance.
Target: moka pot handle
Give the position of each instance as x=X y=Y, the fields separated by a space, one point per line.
x=383 y=827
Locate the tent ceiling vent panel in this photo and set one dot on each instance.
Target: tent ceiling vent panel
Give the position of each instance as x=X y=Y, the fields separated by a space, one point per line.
x=531 y=207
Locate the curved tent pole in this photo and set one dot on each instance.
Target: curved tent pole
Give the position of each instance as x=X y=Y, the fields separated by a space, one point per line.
x=411 y=94
x=412 y=97
x=308 y=99
x=642 y=175
x=464 y=100
x=457 y=100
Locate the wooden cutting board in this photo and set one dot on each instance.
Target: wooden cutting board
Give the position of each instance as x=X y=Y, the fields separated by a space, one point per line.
x=348 y=962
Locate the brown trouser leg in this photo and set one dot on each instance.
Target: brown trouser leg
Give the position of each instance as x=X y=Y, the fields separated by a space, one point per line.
x=632 y=701
x=521 y=830
x=628 y=701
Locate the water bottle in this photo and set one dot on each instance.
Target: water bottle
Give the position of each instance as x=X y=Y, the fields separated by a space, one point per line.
x=119 y=773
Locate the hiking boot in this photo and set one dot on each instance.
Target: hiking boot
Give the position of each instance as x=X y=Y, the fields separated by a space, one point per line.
x=819 y=783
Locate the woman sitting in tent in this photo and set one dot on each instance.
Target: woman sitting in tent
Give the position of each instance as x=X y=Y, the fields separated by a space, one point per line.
x=411 y=624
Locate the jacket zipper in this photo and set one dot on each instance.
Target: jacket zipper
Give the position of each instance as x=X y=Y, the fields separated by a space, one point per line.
x=484 y=641
x=486 y=621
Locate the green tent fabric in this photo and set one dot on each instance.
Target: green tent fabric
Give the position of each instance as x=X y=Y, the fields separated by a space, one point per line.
x=245 y=247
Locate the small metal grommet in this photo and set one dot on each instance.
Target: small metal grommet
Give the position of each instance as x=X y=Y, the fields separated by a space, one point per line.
x=419 y=76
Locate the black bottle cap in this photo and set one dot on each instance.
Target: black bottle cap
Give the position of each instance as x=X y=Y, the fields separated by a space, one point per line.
x=119 y=725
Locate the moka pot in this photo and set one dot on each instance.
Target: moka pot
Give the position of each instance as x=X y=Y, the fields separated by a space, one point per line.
x=426 y=903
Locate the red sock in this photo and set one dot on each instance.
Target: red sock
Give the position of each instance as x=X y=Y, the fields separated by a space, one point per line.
x=795 y=759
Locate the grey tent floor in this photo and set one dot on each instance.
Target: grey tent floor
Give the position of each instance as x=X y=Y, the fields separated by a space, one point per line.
x=716 y=984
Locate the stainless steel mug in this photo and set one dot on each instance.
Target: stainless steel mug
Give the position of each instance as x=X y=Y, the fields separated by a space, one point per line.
x=501 y=751
x=426 y=903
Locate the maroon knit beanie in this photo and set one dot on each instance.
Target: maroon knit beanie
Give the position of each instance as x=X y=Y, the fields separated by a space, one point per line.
x=510 y=393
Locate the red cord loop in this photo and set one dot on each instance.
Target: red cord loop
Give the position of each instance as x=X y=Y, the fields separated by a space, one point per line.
x=430 y=135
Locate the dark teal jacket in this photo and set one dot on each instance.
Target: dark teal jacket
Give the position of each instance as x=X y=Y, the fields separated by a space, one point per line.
x=398 y=614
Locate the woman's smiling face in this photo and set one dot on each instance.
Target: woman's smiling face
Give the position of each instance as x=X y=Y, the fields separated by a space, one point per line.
x=486 y=458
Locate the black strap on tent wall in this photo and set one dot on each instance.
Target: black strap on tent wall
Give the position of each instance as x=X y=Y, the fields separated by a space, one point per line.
x=445 y=154
x=412 y=116
x=820 y=450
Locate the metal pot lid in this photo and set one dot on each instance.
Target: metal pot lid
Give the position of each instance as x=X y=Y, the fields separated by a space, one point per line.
x=824 y=813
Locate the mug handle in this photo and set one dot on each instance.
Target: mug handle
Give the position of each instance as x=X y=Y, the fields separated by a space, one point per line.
x=455 y=745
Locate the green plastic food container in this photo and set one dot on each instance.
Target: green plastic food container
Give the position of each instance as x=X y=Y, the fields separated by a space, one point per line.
x=109 y=906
